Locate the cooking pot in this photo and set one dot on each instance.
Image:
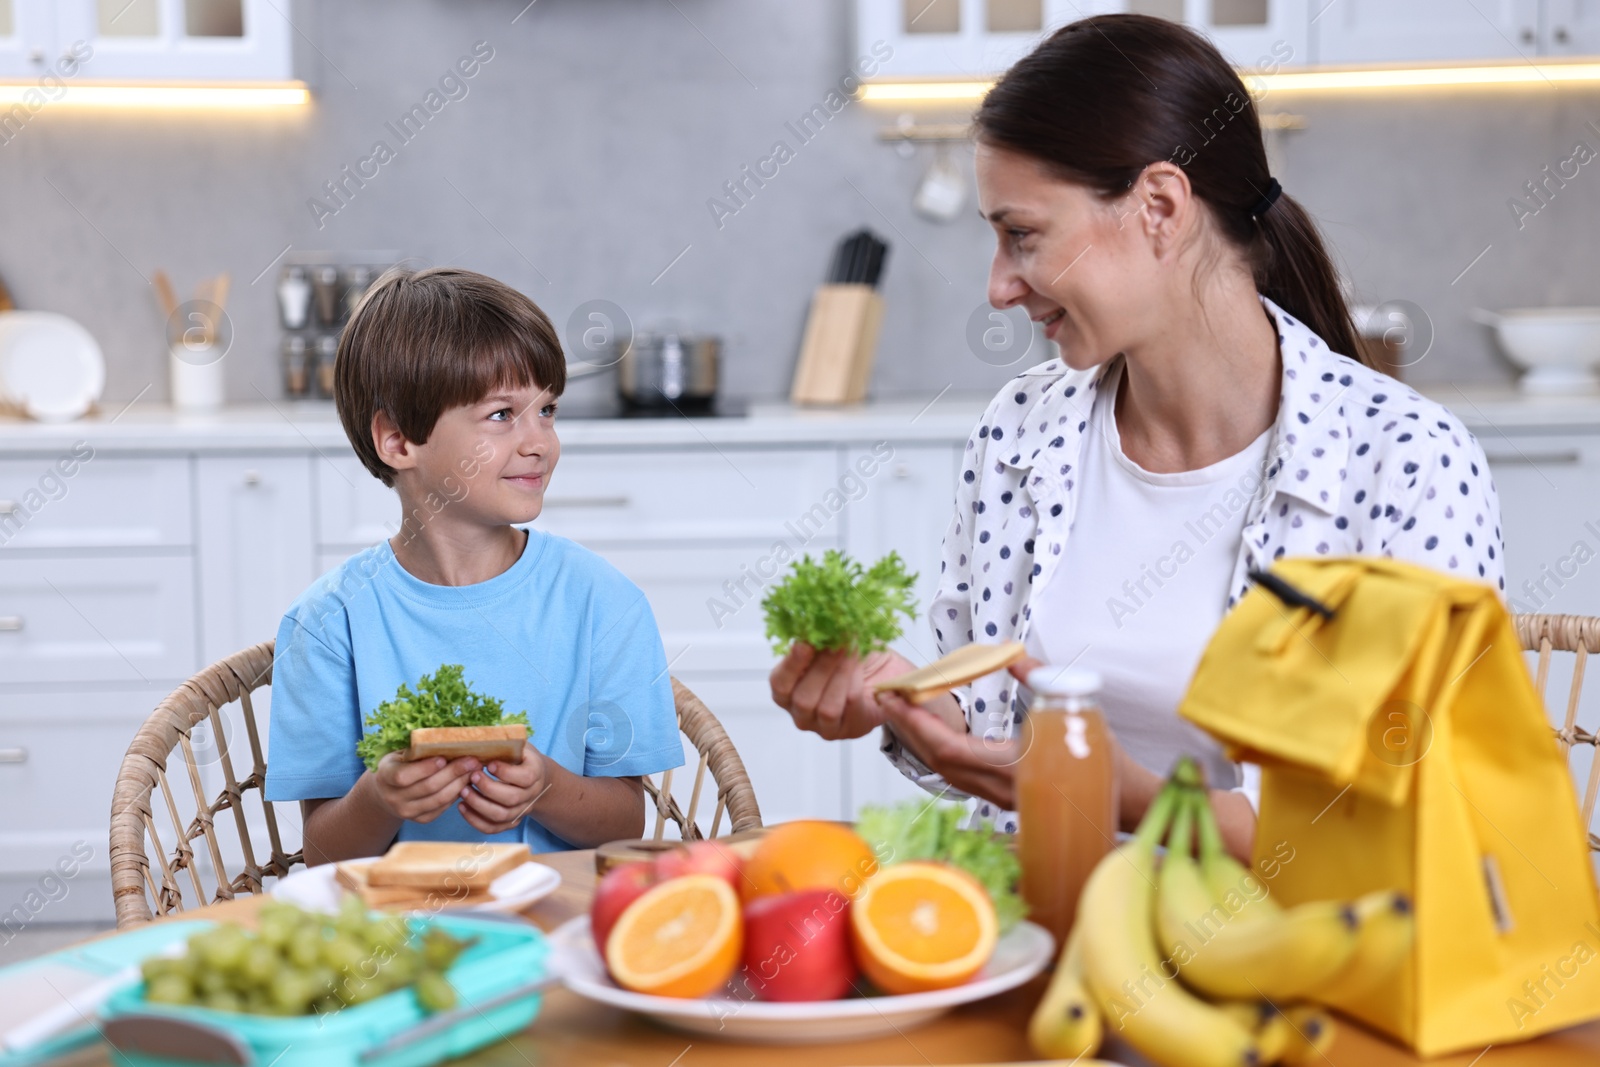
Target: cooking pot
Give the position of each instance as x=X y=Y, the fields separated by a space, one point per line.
x=669 y=370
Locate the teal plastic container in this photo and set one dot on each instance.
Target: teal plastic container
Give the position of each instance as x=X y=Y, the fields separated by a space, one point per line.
x=505 y=957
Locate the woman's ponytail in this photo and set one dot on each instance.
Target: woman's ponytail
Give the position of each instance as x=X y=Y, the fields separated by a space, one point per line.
x=1104 y=97
x=1294 y=271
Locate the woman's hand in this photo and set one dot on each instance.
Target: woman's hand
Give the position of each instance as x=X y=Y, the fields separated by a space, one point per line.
x=829 y=693
x=977 y=767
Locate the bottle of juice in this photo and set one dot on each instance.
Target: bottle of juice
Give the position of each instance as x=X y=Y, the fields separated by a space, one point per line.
x=1066 y=794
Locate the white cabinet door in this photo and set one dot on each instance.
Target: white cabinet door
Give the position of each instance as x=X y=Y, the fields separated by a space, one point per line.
x=906 y=510
x=1570 y=28
x=256 y=545
x=1383 y=31
x=957 y=38
x=796 y=775
x=27 y=50
x=94 y=619
x=1548 y=487
x=178 y=40
x=1249 y=33
x=354 y=509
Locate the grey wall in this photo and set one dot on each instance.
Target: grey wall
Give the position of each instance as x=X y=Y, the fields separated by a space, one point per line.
x=580 y=162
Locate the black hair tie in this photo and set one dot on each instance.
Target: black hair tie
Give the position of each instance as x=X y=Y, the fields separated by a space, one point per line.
x=1268 y=198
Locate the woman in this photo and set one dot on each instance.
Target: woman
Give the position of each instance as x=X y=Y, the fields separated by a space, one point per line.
x=1198 y=424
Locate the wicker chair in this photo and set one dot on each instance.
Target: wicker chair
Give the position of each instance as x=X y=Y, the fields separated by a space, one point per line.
x=1580 y=635
x=144 y=796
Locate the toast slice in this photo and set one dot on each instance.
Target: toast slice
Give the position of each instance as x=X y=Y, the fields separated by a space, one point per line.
x=961 y=667
x=485 y=742
x=445 y=865
x=353 y=877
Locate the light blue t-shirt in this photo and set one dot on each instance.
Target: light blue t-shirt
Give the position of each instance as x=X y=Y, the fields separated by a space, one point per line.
x=561 y=634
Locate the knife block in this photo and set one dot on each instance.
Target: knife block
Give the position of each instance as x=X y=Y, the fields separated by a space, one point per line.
x=840 y=342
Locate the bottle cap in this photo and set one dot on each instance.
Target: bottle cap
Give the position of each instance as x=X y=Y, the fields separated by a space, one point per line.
x=1064 y=681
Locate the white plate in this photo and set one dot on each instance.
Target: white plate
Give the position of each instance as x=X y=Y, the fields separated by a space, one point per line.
x=49 y=365
x=1022 y=953
x=318 y=889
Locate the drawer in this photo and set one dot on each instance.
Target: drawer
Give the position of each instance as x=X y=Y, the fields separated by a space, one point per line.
x=707 y=601
x=97 y=619
x=694 y=494
x=102 y=503
x=59 y=757
x=722 y=494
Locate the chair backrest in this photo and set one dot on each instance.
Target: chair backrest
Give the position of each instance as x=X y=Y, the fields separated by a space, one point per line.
x=735 y=795
x=196 y=721
x=1579 y=635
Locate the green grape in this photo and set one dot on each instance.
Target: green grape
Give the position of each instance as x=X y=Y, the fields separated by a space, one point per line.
x=390 y=932
x=169 y=989
x=434 y=993
x=227 y=1000
x=219 y=949
x=260 y=963
x=439 y=949
x=346 y=955
x=292 y=990
x=358 y=990
x=209 y=982
x=158 y=966
x=305 y=947
x=402 y=969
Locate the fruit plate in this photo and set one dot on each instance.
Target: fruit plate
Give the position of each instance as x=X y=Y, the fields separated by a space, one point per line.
x=318 y=889
x=1018 y=956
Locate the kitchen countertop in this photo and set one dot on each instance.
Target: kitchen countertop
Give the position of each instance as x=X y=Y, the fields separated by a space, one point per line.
x=312 y=425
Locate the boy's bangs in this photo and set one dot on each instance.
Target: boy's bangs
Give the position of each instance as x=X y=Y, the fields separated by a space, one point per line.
x=495 y=364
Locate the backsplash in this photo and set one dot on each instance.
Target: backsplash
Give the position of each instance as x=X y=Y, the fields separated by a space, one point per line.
x=697 y=168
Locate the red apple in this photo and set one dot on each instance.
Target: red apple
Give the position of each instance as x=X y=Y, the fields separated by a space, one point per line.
x=621 y=886
x=701 y=857
x=797 y=946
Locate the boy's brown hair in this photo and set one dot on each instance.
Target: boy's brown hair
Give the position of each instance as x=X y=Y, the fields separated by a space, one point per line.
x=422 y=342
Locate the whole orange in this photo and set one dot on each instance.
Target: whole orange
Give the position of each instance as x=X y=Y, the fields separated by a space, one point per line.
x=808 y=854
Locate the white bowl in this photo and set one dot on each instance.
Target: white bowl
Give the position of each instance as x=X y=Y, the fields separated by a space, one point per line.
x=1557 y=348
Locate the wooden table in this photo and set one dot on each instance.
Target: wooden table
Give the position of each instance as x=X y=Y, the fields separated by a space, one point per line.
x=571 y=1030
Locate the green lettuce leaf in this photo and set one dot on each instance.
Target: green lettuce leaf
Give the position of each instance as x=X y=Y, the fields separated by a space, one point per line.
x=441 y=699
x=835 y=604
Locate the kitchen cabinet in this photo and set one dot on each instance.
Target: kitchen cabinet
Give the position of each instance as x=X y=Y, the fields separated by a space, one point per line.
x=147 y=40
x=954 y=38
x=255 y=546
x=1375 y=31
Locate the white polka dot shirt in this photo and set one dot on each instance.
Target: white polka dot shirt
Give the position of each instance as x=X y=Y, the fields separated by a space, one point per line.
x=1360 y=465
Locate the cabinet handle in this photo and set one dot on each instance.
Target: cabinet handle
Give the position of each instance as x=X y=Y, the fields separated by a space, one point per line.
x=1533 y=459
x=252 y=478
x=8 y=507
x=587 y=502
x=1527 y=35
x=13 y=755
x=1562 y=36
x=10 y=623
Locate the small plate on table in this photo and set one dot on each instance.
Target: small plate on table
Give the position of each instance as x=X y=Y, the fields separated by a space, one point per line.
x=318 y=888
x=1021 y=954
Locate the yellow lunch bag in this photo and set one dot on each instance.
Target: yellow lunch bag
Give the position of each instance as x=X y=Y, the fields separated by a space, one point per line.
x=1402 y=744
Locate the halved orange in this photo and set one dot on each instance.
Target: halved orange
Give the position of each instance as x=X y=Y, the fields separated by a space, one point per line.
x=681 y=938
x=920 y=926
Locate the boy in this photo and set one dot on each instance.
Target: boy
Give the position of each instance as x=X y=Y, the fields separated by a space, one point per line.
x=446 y=384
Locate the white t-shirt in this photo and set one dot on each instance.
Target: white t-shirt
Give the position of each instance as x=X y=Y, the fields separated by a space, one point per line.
x=1137 y=597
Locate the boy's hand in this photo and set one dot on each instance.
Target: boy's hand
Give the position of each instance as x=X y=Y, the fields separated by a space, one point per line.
x=421 y=790
x=496 y=804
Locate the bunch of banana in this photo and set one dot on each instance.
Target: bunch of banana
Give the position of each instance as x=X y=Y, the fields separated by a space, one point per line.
x=1189 y=960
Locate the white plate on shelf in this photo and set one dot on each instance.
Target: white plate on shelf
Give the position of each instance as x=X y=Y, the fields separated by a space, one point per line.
x=318 y=888
x=1021 y=954
x=50 y=366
